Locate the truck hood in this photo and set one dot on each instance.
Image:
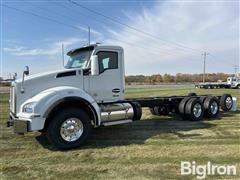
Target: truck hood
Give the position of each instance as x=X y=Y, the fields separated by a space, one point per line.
x=34 y=84
x=39 y=75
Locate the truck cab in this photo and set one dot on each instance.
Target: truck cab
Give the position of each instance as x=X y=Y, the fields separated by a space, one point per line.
x=236 y=82
x=108 y=84
x=233 y=82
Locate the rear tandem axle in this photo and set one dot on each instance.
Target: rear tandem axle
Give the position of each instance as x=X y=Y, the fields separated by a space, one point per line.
x=191 y=107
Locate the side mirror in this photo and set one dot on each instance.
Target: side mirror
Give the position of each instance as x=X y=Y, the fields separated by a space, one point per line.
x=94 y=65
x=15 y=76
x=26 y=70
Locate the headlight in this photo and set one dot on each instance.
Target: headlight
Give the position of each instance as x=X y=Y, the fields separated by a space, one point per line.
x=29 y=107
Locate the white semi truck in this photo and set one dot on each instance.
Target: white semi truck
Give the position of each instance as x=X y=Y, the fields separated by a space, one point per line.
x=232 y=82
x=89 y=93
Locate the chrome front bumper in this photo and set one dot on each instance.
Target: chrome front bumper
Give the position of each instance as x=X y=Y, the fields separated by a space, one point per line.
x=19 y=126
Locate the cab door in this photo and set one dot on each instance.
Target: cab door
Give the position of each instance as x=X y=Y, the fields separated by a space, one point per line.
x=107 y=86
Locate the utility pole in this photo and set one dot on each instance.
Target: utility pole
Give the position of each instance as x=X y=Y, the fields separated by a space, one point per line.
x=63 y=55
x=236 y=70
x=89 y=35
x=204 y=64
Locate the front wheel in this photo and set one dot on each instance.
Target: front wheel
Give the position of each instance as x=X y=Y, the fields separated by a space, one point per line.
x=69 y=129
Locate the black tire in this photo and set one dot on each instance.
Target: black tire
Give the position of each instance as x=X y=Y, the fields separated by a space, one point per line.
x=182 y=105
x=137 y=109
x=53 y=130
x=192 y=94
x=202 y=98
x=189 y=109
x=211 y=107
x=223 y=102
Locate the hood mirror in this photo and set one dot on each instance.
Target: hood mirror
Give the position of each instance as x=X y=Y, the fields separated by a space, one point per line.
x=15 y=76
x=26 y=70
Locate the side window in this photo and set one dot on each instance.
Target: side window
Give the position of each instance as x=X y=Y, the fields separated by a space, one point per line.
x=107 y=60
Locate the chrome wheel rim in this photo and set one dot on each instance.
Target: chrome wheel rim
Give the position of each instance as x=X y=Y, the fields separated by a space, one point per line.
x=229 y=102
x=197 y=110
x=214 y=107
x=71 y=129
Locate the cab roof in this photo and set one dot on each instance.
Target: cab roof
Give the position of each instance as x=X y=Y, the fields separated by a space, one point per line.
x=91 y=47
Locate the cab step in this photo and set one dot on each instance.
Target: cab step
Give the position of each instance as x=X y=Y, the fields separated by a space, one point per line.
x=110 y=123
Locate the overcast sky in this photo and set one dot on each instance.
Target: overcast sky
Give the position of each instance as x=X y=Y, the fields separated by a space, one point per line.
x=176 y=34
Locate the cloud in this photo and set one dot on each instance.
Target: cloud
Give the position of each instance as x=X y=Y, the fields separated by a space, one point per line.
x=53 y=47
x=50 y=49
x=15 y=49
x=203 y=26
x=24 y=51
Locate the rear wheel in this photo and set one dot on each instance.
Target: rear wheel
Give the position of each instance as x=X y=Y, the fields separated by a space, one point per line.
x=211 y=107
x=226 y=102
x=194 y=109
x=182 y=105
x=202 y=98
x=69 y=128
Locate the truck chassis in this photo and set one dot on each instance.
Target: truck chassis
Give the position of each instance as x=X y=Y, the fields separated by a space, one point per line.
x=191 y=107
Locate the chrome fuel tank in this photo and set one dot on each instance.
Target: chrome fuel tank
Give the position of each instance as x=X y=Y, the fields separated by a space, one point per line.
x=116 y=112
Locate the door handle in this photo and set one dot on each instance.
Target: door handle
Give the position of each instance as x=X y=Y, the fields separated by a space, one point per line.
x=116 y=90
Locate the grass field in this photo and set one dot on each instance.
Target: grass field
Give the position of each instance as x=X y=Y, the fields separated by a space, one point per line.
x=148 y=149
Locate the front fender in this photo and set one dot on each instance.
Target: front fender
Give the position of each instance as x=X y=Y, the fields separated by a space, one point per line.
x=48 y=98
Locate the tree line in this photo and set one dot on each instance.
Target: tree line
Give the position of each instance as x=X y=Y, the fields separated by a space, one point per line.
x=166 y=78
x=178 y=78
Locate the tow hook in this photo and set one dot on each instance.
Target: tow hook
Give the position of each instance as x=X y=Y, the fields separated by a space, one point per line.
x=9 y=123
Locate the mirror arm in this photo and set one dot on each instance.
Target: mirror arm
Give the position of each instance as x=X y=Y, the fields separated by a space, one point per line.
x=25 y=72
x=22 y=86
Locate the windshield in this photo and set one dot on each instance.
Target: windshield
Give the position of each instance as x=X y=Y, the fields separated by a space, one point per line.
x=78 y=60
